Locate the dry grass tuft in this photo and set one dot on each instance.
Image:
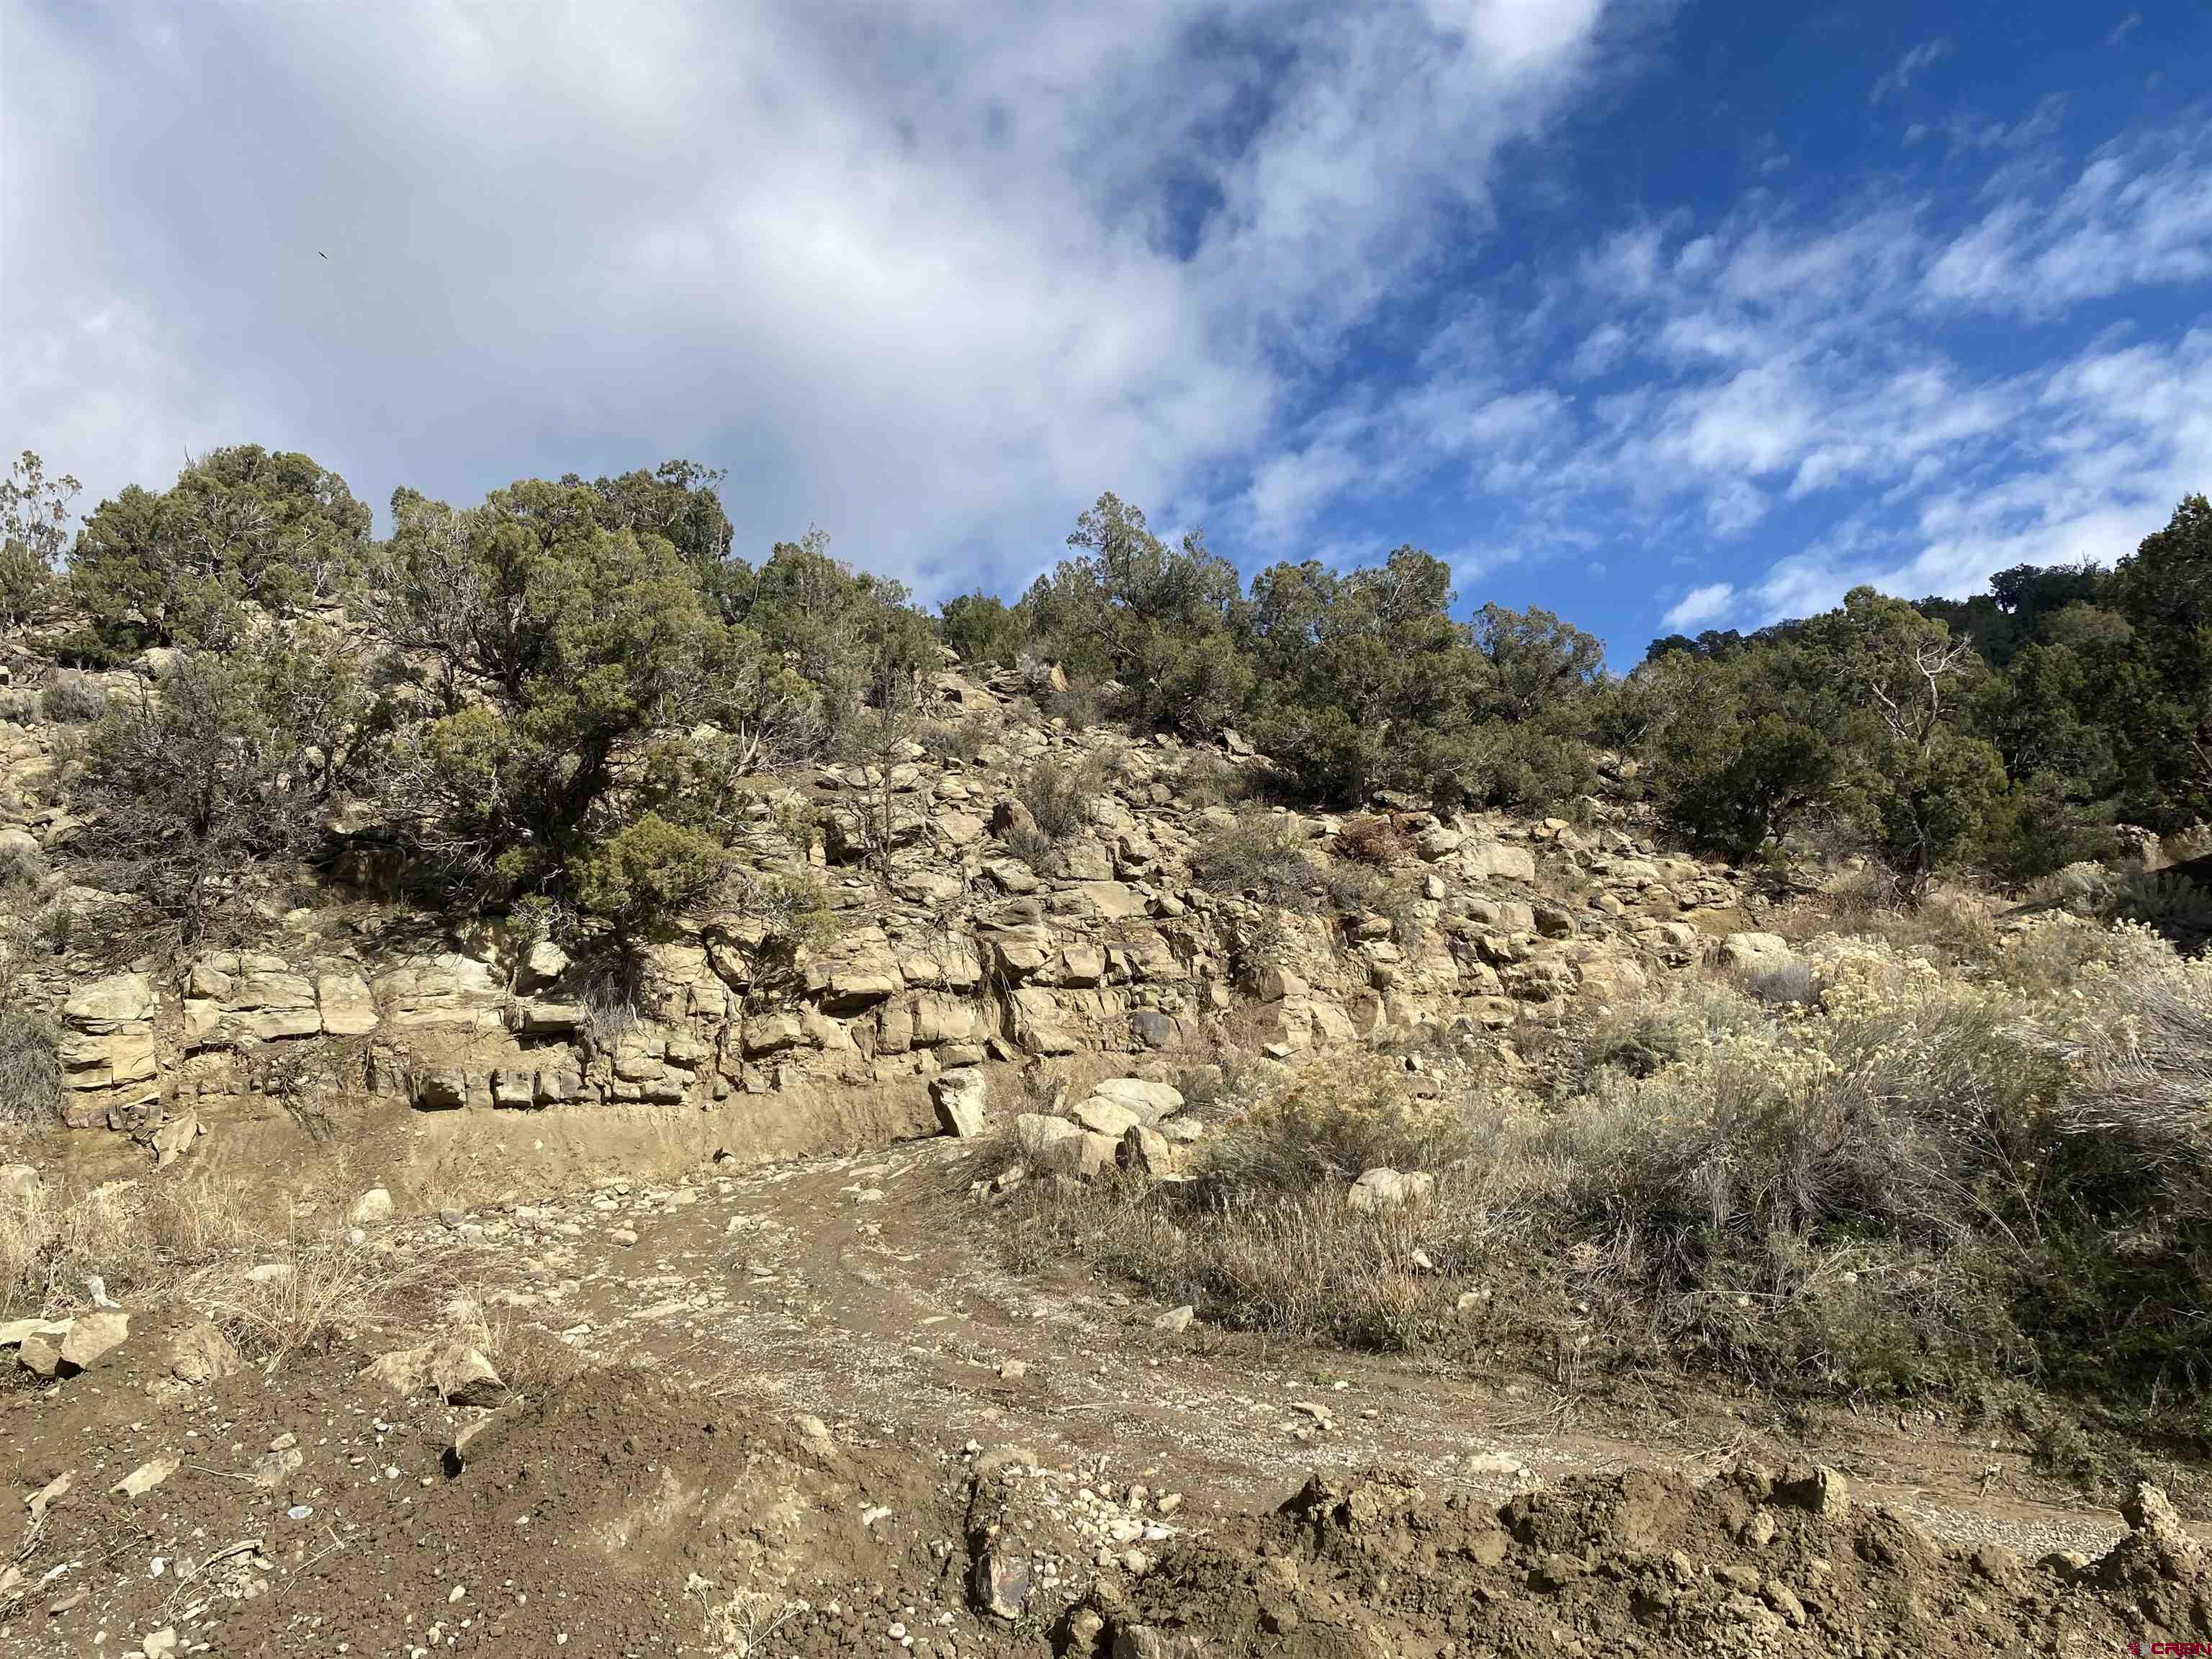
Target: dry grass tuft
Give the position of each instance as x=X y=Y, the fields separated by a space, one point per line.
x=323 y=1291
x=197 y=1242
x=1908 y=1180
x=529 y=1358
x=1332 y=1122
x=139 y=1237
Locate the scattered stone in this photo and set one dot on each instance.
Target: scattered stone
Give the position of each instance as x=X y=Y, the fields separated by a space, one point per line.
x=1147 y=1151
x=404 y=1372
x=272 y=1467
x=47 y=1496
x=1139 y=1642
x=174 y=1139
x=92 y=1337
x=1381 y=1189
x=1783 y=1600
x=465 y=1377
x=200 y=1354
x=1821 y=1489
x=1001 y=1583
x=1106 y=1117
x=1176 y=1320
x=1755 y=953
x=1150 y=1101
x=1553 y=1574
x=15 y=1330
x=40 y=1351
x=147 y=1476
x=373 y=1206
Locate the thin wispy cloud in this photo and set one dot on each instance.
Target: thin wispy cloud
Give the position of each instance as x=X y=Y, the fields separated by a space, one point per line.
x=1785 y=358
x=1909 y=67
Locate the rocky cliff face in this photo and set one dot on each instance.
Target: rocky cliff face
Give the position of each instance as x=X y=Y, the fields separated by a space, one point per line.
x=960 y=953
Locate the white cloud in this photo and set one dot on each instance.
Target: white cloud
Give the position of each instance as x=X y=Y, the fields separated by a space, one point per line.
x=1699 y=606
x=2138 y=215
x=1627 y=264
x=1909 y=67
x=1601 y=349
x=933 y=278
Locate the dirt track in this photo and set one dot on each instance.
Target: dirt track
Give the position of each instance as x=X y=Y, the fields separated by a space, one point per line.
x=972 y=1423
x=884 y=1302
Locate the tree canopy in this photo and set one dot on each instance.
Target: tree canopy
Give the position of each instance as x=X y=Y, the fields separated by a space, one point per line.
x=554 y=696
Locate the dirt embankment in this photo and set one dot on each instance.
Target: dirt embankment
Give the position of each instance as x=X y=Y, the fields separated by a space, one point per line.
x=620 y=1513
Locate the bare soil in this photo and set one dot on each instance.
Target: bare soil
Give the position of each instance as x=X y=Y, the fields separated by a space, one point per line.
x=810 y=1412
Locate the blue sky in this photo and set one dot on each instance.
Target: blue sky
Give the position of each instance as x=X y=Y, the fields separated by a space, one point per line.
x=1660 y=315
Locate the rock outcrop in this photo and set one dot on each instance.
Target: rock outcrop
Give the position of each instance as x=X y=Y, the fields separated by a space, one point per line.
x=960 y=955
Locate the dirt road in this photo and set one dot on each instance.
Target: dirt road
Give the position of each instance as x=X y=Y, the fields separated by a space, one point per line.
x=815 y=1414
x=868 y=1291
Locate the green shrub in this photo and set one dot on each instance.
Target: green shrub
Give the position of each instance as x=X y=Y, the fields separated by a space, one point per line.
x=646 y=873
x=2163 y=899
x=1080 y=705
x=1205 y=779
x=1638 y=1041
x=1917 y=1183
x=1033 y=847
x=239 y=524
x=69 y=700
x=1353 y=890
x=1790 y=984
x=962 y=739
x=20 y=868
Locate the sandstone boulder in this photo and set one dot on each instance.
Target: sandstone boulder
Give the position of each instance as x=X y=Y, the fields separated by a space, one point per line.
x=174 y=1139
x=1755 y=953
x=39 y=1352
x=1147 y=1151
x=1105 y=1117
x=92 y=1337
x=200 y=1354
x=1150 y=1101
x=1381 y=1189
x=962 y=1097
x=465 y=1377
x=1498 y=861
x=373 y=1206
x=107 y=1003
